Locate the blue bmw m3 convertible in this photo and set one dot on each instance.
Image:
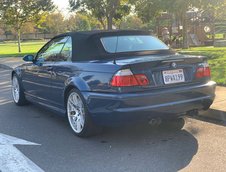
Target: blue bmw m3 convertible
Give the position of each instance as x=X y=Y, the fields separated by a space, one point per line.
x=102 y=78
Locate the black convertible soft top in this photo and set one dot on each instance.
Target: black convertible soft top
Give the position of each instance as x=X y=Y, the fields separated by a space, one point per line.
x=87 y=45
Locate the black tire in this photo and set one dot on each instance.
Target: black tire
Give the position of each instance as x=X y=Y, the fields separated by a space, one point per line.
x=173 y=124
x=21 y=101
x=89 y=128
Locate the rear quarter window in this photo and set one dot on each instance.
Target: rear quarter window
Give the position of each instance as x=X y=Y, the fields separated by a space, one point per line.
x=119 y=44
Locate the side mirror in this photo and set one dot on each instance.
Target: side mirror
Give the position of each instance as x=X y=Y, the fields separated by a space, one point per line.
x=40 y=61
x=28 y=58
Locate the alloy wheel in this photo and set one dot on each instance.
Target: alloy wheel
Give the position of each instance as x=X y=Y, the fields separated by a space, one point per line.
x=76 y=112
x=15 y=89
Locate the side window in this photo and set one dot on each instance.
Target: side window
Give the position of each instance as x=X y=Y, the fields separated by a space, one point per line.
x=52 y=51
x=66 y=52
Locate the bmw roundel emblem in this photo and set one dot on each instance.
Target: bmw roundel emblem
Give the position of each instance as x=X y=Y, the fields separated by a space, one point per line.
x=174 y=65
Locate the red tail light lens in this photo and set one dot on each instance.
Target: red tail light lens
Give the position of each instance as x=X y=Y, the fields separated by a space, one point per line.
x=142 y=79
x=125 y=78
x=202 y=72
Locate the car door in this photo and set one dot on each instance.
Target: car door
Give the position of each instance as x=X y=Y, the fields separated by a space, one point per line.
x=37 y=78
x=62 y=70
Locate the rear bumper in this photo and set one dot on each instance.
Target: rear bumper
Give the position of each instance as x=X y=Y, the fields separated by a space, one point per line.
x=107 y=109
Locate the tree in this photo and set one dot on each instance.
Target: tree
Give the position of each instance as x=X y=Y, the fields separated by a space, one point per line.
x=52 y=23
x=18 y=12
x=2 y=30
x=103 y=10
x=28 y=27
x=132 y=22
x=148 y=10
x=78 y=22
x=94 y=23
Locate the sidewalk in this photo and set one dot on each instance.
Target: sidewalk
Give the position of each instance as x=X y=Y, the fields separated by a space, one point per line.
x=217 y=111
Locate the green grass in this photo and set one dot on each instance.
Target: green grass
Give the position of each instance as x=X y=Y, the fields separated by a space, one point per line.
x=10 y=49
x=217 y=36
x=216 y=59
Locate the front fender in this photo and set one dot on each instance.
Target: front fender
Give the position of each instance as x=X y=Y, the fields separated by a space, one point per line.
x=17 y=71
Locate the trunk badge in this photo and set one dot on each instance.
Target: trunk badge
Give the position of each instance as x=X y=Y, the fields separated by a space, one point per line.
x=174 y=65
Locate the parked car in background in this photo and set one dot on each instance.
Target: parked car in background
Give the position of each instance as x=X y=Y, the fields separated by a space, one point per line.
x=102 y=78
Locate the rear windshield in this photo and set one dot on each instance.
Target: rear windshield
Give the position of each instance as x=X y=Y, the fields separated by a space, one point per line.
x=120 y=44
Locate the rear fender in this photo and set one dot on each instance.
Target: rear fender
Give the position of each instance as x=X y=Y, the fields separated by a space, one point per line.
x=75 y=82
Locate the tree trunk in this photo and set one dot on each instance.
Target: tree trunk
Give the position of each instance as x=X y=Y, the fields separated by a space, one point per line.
x=110 y=22
x=185 y=31
x=102 y=23
x=213 y=30
x=18 y=40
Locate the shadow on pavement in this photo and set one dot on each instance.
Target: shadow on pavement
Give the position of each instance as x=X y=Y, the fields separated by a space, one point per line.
x=130 y=148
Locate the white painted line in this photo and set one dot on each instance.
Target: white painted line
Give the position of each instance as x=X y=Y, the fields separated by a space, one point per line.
x=9 y=140
x=11 y=159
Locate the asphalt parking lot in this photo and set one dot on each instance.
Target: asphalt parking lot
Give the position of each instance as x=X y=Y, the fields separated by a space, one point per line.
x=199 y=146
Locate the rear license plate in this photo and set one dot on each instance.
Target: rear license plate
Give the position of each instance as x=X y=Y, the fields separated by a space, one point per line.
x=173 y=76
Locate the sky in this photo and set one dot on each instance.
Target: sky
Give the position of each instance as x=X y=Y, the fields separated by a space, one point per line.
x=62 y=5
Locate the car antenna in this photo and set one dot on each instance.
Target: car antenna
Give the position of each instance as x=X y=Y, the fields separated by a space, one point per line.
x=116 y=49
x=114 y=61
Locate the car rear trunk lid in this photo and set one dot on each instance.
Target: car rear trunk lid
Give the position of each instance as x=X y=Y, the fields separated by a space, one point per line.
x=165 y=70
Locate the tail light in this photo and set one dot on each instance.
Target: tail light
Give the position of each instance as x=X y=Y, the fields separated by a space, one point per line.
x=125 y=78
x=203 y=70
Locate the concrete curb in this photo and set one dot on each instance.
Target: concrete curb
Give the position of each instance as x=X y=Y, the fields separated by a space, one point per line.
x=211 y=116
x=214 y=114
